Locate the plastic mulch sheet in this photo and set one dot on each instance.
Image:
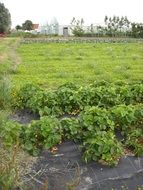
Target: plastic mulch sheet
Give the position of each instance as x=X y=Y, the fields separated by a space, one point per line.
x=65 y=170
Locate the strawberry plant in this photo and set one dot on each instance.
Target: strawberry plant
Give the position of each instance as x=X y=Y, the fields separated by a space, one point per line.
x=10 y=132
x=139 y=115
x=67 y=99
x=134 y=140
x=71 y=128
x=23 y=97
x=50 y=104
x=102 y=146
x=124 y=116
x=95 y=119
x=44 y=133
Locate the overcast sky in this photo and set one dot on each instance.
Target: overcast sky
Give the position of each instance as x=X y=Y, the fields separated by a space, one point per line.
x=92 y=11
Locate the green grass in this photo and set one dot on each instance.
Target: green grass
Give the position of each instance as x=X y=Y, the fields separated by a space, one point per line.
x=8 y=64
x=53 y=64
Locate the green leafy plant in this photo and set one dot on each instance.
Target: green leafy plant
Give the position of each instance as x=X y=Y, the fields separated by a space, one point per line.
x=43 y=133
x=50 y=104
x=124 y=116
x=95 y=119
x=102 y=146
x=10 y=133
x=71 y=128
x=22 y=97
x=134 y=140
x=67 y=99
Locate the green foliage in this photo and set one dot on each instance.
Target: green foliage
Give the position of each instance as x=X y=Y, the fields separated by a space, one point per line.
x=27 y=25
x=124 y=116
x=70 y=99
x=67 y=98
x=5 y=19
x=77 y=27
x=10 y=133
x=22 y=98
x=44 y=133
x=137 y=30
x=134 y=140
x=22 y=34
x=96 y=119
x=116 y=26
x=71 y=129
x=5 y=93
x=102 y=146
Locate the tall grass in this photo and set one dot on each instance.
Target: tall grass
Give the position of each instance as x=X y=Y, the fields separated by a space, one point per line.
x=5 y=93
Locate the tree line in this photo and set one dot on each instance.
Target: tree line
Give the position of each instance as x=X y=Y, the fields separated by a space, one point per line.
x=113 y=27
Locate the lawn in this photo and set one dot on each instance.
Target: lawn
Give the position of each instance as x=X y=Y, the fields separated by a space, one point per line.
x=53 y=64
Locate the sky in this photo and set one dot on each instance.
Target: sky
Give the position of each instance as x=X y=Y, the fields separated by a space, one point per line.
x=92 y=11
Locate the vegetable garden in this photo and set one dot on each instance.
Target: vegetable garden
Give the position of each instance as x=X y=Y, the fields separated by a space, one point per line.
x=89 y=114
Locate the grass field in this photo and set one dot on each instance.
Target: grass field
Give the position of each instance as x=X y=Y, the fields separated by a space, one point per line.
x=52 y=64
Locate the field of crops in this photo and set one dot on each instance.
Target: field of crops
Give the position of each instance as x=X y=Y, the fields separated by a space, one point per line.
x=90 y=93
x=52 y=64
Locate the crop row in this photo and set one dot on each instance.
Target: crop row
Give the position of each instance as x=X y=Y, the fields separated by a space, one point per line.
x=79 y=40
x=71 y=99
x=90 y=115
x=95 y=129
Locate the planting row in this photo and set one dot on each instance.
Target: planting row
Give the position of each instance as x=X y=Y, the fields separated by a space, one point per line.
x=95 y=129
x=79 y=40
x=71 y=99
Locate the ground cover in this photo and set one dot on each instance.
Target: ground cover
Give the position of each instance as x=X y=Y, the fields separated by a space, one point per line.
x=53 y=64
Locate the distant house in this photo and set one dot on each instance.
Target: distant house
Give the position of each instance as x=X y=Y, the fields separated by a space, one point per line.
x=35 y=26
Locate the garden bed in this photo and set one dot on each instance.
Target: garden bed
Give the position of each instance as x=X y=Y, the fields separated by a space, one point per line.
x=86 y=137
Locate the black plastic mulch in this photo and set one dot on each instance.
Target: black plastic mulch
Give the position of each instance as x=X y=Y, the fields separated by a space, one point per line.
x=65 y=168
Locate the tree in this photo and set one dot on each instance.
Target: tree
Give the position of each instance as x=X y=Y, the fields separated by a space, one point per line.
x=116 y=26
x=5 y=19
x=18 y=27
x=137 y=30
x=27 y=25
x=77 y=27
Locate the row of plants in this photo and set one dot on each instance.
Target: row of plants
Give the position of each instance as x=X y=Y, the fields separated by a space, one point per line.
x=94 y=129
x=71 y=99
x=80 y=40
